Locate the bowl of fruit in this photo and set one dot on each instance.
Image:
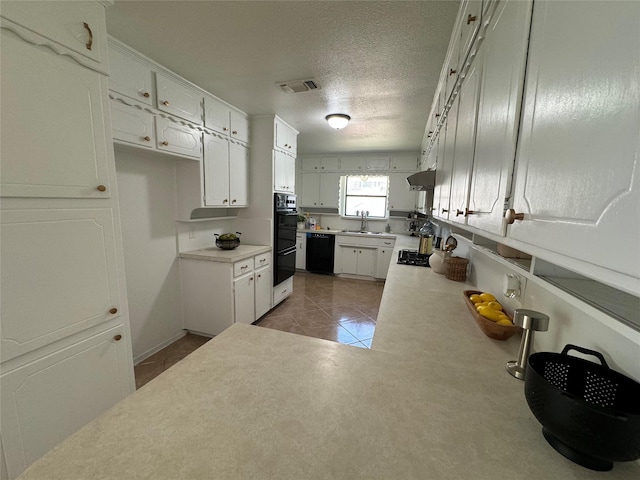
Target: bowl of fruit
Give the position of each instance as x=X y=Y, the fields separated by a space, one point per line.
x=490 y=315
x=228 y=241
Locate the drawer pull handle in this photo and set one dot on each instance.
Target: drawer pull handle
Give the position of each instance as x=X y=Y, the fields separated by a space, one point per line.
x=113 y=311
x=511 y=216
x=117 y=338
x=89 y=43
x=471 y=19
x=102 y=188
x=165 y=143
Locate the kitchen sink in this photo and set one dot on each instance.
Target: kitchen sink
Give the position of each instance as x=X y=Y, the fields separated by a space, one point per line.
x=360 y=231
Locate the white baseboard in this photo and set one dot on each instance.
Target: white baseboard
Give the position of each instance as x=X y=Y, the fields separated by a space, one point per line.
x=157 y=348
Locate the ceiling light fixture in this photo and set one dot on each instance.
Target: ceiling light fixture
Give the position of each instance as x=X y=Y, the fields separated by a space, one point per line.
x=338 y=120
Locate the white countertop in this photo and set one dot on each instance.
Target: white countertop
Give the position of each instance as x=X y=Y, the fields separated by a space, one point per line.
x=342 y=232
x=215 y=254
x=432 y=400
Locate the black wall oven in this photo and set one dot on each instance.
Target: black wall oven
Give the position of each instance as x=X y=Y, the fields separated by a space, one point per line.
x=284 y=242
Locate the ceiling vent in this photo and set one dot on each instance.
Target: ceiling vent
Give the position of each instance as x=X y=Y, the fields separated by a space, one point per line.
x=298 y=86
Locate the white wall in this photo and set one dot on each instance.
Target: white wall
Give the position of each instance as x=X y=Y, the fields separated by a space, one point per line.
x=147 y=190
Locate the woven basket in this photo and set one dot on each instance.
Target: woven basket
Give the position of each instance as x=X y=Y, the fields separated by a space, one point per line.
x=457 y=268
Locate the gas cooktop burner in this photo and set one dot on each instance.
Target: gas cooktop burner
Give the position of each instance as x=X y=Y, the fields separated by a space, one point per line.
x=412 y=257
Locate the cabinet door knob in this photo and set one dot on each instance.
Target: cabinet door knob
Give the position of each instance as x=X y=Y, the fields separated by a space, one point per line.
x=235 y=132
x=468 y=212
x=147 y=138
x=459 y=212
x=471 y=19
x=437 y=115
x=102 y=188
x=511 y=216
x=146 y=95
x=225 y=201
x=113 y=311
x=452 y=71
x=166 y=103
x=445 y=210
x=259 y=276
x=225 y=129
x=233 y=201
x=165 y=143
x=117 y=338
x=89 y=43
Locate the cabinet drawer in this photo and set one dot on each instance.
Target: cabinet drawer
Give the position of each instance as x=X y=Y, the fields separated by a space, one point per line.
x=263 y=260
x=242 y=267
x=368 y=241
x=282 y=291
x=386 y=242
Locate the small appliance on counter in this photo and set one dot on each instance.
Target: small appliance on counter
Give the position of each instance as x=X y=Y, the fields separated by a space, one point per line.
x=413 y=257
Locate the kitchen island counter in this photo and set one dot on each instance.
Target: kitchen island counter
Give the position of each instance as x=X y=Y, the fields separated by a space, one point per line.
x=430 y=401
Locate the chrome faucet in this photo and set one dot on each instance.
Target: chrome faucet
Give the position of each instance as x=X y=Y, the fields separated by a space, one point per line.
x=364 y=223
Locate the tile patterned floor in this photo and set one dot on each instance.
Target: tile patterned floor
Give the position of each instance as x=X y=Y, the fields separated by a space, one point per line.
x=333 y=308
x=321 y=306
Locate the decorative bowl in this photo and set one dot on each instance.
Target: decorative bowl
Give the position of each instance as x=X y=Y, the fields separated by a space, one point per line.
x=489 y=328
x=227 y=244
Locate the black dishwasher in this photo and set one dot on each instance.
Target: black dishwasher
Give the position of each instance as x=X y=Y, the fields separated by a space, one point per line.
x=320 y=253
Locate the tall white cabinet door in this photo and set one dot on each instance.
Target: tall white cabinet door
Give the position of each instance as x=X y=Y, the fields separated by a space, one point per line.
x=465 y=143
x=446 y=144
x=179 y=100
x=366 y=261
x=216 y=171
x=244 y=299
x=58 y=275
x=504 y=55
x=238 y=175
x=130 y=78
x=176 y=138
x=581 y=121
x=45 y=401
x=52 y=122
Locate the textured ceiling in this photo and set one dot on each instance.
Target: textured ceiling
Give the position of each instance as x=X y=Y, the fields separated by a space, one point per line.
x=378 y=62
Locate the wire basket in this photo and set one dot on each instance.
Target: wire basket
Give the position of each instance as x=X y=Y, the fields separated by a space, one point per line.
x=457 y=268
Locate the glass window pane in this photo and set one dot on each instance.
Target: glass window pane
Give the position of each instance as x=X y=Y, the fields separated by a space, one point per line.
x=376 y=206
x=367 y=185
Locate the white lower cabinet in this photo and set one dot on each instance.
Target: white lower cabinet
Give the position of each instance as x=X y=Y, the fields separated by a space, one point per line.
x=218 y=294
x=301 y=251
x=262 y=291
x=385 y=253
x=363 y=255
x=358 y=260
x=46 y=400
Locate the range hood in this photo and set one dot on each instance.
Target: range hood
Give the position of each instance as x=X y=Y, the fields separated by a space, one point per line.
x=425 y=180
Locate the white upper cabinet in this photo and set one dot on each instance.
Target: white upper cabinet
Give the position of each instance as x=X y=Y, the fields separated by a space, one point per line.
x=319 y=164
x=470 y=20
x=238 y=175
x=132 y=125
x=284 y=172
x=179 y=99
x=217 y=115
x=375 y=164
x=225 y=119
x=216 y=171
x=54 y=142
x=404 y=163
x=400 y=197
x=286 y=138
x=240 y=128
x=352 y=163
x=577 y=168
x=464 y=144
x=130 y=77
x=446 y=148
x=503 y=58
x=176 y=138
x=78 y=26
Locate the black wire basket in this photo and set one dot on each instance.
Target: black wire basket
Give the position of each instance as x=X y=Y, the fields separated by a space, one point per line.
x=227 y=244
x=589 y=412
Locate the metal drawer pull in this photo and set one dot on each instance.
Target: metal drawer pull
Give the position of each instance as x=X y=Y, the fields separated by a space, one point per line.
x=165 y=143
x=471 y=19
x=113 y=311
x=89 y=43
x=166 y=103
x=146 y=95
x=102 y=188
x=117 y=338
x=147 y=138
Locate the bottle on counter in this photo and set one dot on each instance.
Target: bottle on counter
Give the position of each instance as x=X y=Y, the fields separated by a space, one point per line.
x=387 y=228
